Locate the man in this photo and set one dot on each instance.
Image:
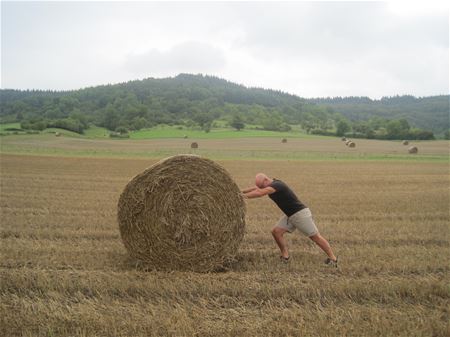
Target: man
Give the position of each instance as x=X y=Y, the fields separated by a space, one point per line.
x=297 y=215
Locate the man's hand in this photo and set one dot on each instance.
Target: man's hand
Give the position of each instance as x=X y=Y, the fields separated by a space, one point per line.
x=247 y=190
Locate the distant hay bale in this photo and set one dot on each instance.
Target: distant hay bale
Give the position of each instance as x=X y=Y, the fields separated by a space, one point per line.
x=344 y=139
x=413 y=149
x=348 y=141
x=185 y=136
x=284 y=140
x=194 y=145
x=351 y=144
x=57 y=134
x=183 y=213
x=405 y=142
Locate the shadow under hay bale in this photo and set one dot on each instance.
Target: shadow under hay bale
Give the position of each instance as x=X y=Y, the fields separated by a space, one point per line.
x=183 y=213
x=284 y=140
x=194 y=145
x=405 y=142
x=413 y=149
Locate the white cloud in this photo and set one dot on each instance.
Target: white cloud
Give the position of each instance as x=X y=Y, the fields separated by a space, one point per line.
x=305 y=48
x=188 y=57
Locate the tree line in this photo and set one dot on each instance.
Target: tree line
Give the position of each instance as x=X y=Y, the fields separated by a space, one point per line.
x=427 y=113
x=194 y=101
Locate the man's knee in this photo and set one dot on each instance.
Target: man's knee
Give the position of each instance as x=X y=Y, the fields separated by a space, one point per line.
x=316 y=237
x=277 y=231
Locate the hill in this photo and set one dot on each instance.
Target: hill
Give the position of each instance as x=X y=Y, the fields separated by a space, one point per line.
x=429 y=113
x=184 y=99
x=198 y=101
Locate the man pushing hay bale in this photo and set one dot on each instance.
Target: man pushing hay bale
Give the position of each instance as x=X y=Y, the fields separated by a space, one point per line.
x=183 y=213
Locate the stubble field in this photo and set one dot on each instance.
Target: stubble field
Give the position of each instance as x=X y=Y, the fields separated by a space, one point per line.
x=65 y=272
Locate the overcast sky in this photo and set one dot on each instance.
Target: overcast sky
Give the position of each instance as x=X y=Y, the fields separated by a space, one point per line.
x=309 y=49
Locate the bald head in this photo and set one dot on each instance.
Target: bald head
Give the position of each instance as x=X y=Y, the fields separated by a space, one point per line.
x=261 y=180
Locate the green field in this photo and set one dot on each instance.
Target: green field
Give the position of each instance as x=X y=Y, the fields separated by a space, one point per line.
x=3 y=127
x=248 y=148
x=166 y=131
x=92 y=132
x=213 y=134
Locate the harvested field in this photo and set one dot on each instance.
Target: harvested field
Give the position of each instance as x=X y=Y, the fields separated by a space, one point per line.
x=241 y=148
x=65 y=272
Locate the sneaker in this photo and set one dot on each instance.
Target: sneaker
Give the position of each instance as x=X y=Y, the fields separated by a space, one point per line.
x=284 y=259
x=331 y=263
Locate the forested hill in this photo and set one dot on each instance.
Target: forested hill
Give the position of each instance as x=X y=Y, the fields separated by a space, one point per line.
x=184 y=99
x=430 y=113
x=198 y=101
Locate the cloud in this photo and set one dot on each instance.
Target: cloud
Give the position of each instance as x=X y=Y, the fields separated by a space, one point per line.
x=336 y=31
x=187 y=57
x=305 y=48
x=347 y=48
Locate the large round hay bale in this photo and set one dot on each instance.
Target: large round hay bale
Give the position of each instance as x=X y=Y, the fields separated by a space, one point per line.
x=351 y=144
x=405 y=142
x=413 y=149
x=194 y=145
x=183 y=213
x=284 y=140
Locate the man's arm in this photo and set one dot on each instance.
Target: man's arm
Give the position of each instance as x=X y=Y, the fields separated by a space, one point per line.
x=247 y=190
x=259 y=192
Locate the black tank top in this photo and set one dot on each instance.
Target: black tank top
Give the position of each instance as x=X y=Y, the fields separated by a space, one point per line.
x=285 y=198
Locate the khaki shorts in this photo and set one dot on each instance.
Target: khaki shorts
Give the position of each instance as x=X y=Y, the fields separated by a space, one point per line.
x=302 y=220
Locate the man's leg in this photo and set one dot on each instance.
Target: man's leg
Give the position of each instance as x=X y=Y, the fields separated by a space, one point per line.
x=323 y=243
x=278 y=233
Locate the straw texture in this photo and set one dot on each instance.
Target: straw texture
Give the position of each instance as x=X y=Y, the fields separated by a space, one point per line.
x=183 y=213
